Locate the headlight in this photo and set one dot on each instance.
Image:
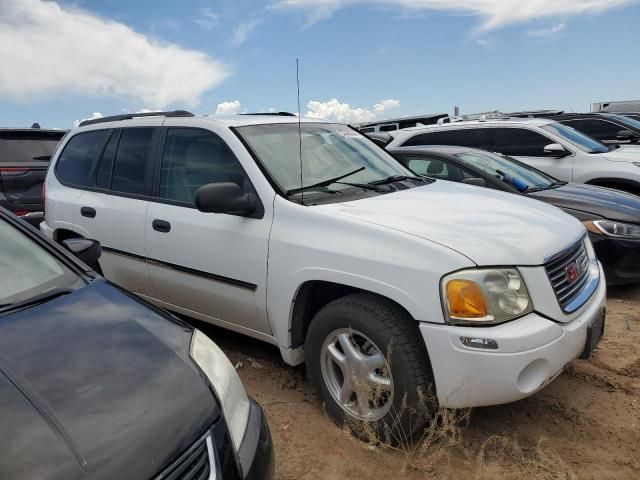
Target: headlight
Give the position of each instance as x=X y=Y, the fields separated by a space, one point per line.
x=226 y=383
x=613 y=229
x=485 y=296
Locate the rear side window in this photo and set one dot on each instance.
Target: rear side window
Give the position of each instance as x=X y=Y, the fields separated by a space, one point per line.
x=194 y=157
x=596 y=128
x=27 y=146
x=520 y=142
x=80 y=156
x=430 y=138
x=132 y=161
x=468 y=137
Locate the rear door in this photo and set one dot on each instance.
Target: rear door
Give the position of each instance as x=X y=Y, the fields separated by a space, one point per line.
x=24 y=159
x=113 y=208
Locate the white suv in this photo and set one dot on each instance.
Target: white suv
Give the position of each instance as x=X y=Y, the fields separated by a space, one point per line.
x=554 y=148
x=481 y=296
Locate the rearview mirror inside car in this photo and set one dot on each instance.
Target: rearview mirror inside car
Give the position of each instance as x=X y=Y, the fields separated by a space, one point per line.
x=627 y=135
x=556 y=150
x=225 y=197
x=87 y=250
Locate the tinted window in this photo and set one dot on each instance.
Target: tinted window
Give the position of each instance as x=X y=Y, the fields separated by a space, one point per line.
x=430 y=138
x=79 y=157
x=520 y=142
x=388 y=128
x=435 y=168
x=131 y=162
x=27 y=147
x=103 y=176
x=596 y=128
x=576 y=138
x=468 y=137
x=193 y=158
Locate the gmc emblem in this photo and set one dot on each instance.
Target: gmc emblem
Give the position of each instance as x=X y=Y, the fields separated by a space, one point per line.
x=572 y=272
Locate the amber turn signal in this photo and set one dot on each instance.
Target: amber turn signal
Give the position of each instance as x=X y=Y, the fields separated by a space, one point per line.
x=465 y=299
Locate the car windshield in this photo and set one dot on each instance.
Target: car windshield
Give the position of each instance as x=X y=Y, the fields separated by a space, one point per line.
x=329 y=151
x=509 y=170
x=28 y=269
x=631 y=122
x=576 y=138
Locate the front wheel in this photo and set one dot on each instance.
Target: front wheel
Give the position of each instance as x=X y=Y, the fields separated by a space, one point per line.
x=365 y=355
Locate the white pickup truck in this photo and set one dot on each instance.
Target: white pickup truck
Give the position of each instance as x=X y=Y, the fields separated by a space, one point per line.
x=382 y=282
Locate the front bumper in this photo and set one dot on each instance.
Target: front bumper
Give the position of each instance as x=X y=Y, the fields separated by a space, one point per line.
x=619 y=257
x=256 y=454
x=532 y=351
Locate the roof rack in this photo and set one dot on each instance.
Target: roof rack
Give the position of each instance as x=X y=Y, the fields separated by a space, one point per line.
x=129 y=116
x=276 y=114
x=537 y=113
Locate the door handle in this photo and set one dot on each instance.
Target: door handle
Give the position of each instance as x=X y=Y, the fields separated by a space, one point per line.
x=161 y=226
x=88 y=212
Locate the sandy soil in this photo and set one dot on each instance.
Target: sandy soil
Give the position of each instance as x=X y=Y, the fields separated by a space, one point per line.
x=589 y=416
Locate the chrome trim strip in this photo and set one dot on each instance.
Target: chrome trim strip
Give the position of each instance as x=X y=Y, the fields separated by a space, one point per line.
x=588 y=290
x=559 y=254
x=206 y=438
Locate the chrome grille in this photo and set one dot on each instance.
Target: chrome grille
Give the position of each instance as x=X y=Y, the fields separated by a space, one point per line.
x=197 y=463
x=558 y=269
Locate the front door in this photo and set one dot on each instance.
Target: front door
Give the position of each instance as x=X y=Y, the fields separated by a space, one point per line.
x=211 y=266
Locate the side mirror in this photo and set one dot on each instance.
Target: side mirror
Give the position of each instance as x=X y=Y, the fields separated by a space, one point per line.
x=627 y=136
x=225 y=197
x=477 y=181
x=556 y=150
x=87 y=250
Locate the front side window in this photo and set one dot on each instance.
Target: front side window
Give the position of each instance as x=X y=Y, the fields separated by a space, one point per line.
x=328 y=151
x=576 y=138
x=429 y=138
x=29 y=269
x=519 y=142
x=195 y=157
x=132 y=160
x=79 y=157
x=508 y=170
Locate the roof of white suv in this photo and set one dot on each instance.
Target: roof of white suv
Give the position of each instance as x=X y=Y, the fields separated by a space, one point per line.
x=492 y=121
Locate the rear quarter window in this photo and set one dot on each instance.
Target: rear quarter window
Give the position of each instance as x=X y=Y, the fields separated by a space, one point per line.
x=77 y=161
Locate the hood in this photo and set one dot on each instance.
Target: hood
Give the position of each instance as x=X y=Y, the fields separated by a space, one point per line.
x=487 y=226
x=626 y=153
x=102 y=387
x=599 y=201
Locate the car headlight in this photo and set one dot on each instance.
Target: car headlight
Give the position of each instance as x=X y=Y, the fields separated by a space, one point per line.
x=485 y=296
x=613 y=229
x=225 y=381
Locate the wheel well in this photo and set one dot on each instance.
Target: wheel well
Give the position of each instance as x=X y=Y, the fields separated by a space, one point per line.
x=628 y=186
x=61 y=235
x=311 y=297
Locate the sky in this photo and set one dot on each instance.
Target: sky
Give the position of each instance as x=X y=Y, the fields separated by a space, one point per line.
x=360 y=60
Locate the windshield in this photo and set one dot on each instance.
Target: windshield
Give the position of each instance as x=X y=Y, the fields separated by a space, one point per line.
x=631 y=122
x=28 y=269
x=576 y=138
x=510 y=171
x=328 y=151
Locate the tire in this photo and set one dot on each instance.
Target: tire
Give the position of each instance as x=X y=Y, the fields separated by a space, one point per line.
x=371 y=323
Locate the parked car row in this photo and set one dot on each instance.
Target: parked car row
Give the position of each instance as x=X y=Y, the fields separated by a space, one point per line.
x=307 y=235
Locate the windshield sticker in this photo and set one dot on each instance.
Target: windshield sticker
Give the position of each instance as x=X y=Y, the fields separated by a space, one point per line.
x=348 y=134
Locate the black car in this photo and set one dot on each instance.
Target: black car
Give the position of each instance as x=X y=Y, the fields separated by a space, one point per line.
x=95 y=384
x=24 y=159
x=609 y=128
x=612 y=217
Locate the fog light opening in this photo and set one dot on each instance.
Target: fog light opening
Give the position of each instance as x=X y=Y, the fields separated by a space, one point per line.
x=482 y=343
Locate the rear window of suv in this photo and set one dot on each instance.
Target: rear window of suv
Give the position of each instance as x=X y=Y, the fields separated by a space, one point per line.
x=28 y=146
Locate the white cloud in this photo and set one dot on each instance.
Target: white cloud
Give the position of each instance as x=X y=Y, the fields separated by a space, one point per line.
x=548 y=32
x=495 y=13
x=93 y=116
x=208 y=19
x=344 y=113
x=244 y=29
x=229 y=108
x=48 y=50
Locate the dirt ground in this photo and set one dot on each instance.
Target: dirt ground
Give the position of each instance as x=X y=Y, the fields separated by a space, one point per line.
x=588 y=419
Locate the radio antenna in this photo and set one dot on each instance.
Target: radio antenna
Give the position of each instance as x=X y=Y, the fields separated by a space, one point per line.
x=299 y=131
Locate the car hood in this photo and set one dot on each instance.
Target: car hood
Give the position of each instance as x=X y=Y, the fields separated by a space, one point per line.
x=626 y=153
x=599 y=201
x=95 y=385
x=487 y=226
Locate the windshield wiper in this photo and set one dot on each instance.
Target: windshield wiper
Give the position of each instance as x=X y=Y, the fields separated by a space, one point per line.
x=399 y=178
x=324 y=183
x=41 y=298
x=556 y=184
